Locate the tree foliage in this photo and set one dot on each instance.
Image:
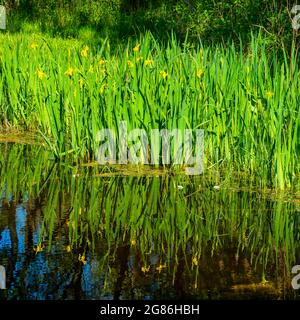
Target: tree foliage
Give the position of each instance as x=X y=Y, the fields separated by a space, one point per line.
x=210 y=20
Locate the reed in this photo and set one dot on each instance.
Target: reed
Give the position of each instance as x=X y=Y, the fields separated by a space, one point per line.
x=245 y=99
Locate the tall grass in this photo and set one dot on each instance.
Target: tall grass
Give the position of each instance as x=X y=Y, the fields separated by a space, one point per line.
x=245 y=100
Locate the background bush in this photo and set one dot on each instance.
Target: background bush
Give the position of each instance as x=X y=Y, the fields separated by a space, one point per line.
x=215 y=21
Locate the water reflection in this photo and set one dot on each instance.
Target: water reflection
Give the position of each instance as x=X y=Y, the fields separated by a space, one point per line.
x=67 y=232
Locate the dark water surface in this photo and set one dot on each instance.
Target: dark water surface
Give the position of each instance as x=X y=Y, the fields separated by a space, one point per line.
x=69 y=232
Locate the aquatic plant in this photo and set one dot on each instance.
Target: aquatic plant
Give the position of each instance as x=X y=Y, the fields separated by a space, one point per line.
x=245 y=99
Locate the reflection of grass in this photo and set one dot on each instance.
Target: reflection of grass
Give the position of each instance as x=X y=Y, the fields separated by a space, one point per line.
x=188 y=230
x=183 y=227
x=151 y=215
x=246 y=101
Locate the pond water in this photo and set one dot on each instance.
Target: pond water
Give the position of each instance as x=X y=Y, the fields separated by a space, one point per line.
x=78 y=232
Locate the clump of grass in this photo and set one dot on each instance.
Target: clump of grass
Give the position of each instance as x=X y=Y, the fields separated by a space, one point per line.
x=247 y=103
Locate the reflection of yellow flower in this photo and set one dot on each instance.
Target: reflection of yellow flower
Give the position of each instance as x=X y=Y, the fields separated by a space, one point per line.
x=82 y=259
x=85 y=51
x=145 y=269
x=164 y=74
x=68 y=248
x=137 y=48
x=41 y=74
x=195 y=261
x=70 y=72
x=133 y=242
x=148 y=62
x=161 y=267
x=200 y=73
x=269 y=94
x=34 y=45
x=39 y=248
x=130 y=64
